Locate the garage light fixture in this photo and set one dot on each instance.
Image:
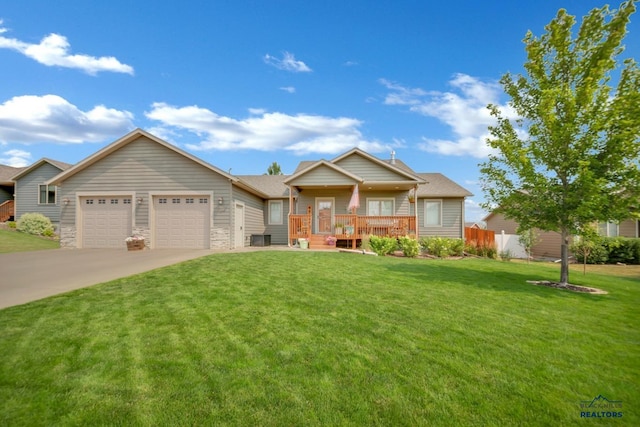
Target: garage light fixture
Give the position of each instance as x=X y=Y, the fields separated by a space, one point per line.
x=220 y=200
x=139 y=200
x=65 y=201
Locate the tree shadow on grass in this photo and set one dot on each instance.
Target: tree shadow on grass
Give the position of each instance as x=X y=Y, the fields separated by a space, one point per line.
x=489 y=276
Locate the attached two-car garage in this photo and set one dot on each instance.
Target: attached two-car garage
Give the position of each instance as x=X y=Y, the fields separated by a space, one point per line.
x=176 y=221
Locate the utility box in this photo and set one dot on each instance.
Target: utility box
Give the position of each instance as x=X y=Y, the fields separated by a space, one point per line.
x=261 y=240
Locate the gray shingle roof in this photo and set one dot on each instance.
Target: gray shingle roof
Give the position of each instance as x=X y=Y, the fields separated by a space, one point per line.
x=439 y=185
x=272 y=185
x=7 y=172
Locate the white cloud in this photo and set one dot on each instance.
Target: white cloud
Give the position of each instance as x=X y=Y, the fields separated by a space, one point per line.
x=464 y=110
x=300 y=134
x=289 y=89
x=16 y=158
x=287 y=63
x=50 y=118
x=53 y=50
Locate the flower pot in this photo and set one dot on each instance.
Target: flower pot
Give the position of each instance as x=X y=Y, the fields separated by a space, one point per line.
x=135 y=245
x=304 y=243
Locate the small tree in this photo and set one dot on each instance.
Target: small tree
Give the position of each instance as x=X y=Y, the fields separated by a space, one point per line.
x=584 y=244
x=528 y=238
x=567 y=153
x=274 y=169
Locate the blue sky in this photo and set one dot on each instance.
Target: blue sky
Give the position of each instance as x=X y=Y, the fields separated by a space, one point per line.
x=242 y=84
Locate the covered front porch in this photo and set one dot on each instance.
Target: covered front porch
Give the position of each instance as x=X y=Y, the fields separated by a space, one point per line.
x=349 y=228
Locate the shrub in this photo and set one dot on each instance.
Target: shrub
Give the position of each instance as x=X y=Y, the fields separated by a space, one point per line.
x=410 y=246
x=382 y=245
x=442 y=246
x=36 y=224
x=505 y=255
x=620 y=250
x=11 y=224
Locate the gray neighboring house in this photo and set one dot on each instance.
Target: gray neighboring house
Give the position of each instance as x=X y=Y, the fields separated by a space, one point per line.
x=33 y=194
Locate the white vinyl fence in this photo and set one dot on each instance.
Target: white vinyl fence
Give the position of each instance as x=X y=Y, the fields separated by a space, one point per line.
x=509 y=242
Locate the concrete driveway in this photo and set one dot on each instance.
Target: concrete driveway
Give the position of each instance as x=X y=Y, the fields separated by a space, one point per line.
x=29 y=276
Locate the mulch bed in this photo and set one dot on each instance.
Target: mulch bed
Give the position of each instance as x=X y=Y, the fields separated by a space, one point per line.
x=568 y=287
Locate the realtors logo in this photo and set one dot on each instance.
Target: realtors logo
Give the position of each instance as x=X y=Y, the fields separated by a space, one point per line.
x=601 y=407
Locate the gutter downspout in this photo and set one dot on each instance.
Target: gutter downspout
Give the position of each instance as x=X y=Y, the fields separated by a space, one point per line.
x=415 y=212
x=289 y=217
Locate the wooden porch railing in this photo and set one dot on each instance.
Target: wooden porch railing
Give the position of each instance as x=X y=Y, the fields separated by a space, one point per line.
x=7 y=210
x=350 y=227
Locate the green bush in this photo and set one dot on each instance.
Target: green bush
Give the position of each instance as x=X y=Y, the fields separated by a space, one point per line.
x=442 y=246
x=36 y=224
x=11 y=224
x=609 y=250
x=410 y=246
x=382 y=245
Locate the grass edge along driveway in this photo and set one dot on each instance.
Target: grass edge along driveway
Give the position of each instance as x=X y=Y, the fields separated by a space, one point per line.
x=310 y=338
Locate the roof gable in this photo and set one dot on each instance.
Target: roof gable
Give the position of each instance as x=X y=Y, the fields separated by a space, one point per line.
x=438 y=185
x=61 y=166
x=317 y=173
x=371 y=168
x=127 y=139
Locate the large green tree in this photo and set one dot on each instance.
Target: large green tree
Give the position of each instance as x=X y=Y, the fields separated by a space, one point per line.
x=567 y=150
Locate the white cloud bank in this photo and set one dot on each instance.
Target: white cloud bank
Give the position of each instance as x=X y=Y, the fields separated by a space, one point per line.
x=50 y=118
x=53 y=50
x=264 y=131
x=464 y=110
x=287 y=63
x=16 y=158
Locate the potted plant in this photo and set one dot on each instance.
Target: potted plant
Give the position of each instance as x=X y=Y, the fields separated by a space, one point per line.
x=339 y=228
x=135 y=243
x=331 y=240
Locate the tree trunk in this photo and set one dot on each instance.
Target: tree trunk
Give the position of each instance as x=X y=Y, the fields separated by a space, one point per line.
x=564 y=258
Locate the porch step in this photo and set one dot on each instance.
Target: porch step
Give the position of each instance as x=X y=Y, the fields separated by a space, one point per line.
x=317 y=241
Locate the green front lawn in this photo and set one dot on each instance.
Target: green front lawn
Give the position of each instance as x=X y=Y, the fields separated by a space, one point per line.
x=13 y=241
x=310 y=338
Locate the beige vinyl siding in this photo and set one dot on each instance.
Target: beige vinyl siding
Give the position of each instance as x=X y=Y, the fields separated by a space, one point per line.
x=254 y=219
x=323 y=175
x=628 y=228
x=144 y=166
x=452 y=219
x=28 y=197
x=369 y=170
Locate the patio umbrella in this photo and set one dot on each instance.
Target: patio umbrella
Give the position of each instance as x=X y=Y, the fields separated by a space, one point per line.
x=354 y=203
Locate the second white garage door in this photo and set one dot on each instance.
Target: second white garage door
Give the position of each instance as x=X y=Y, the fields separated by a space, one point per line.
x=182 y=221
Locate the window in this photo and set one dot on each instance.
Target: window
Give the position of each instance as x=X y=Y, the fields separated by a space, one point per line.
x=126 y=201
x=162 y=201
x=608 y=229
x=114 y=201
x=102 y=201
x=433 y=213
x=175 y=201
x=189 y=200
x=275 y=211
x=380 y=207
x=47 y=194
x=204 y=201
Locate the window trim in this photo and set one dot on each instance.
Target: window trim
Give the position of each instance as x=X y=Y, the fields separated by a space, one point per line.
x=424 y=216
x=382 y=199
x=279 y=221
x=47 y=189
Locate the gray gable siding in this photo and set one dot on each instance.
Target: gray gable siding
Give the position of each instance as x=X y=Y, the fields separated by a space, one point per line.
x=27 y=193
x=323 y=175
x=369 y=170
x=141 y=167
x=452 y=219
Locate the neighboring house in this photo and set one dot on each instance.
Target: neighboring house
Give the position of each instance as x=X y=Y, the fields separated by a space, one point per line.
x=7 y=190
x=549 y=242
x=32 y=194
x=143 y=185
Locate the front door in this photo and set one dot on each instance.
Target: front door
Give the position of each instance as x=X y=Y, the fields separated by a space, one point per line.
x=324 y=212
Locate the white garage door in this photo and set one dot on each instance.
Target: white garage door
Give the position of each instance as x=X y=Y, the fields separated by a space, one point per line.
x=106 y=221
x=182 y=221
